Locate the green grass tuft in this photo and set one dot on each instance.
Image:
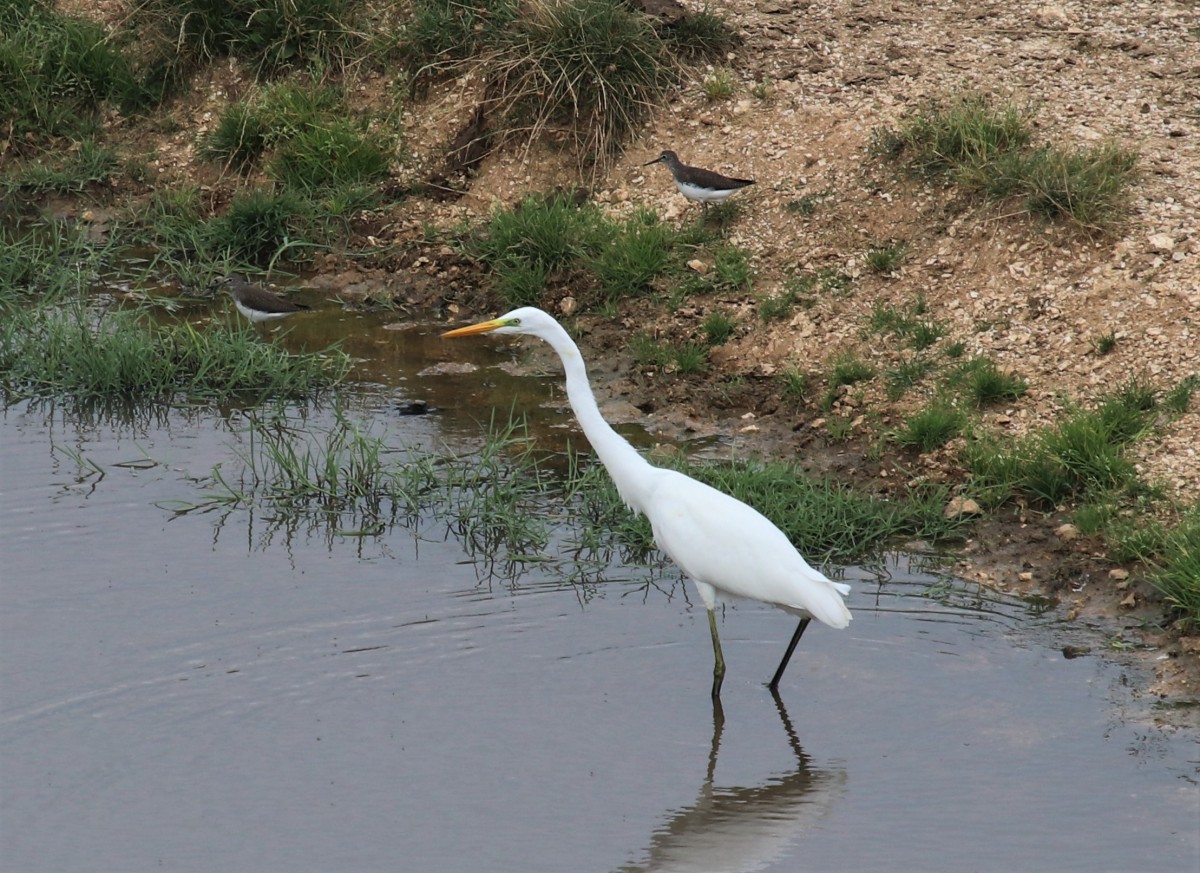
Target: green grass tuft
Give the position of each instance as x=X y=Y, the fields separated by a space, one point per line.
x=334 y=155
x=718 y=327
x=593 y=69
x=885 y=258
x=932 y=427
x=176 y=36
x=637 y=254
x=240 y=137
x=258 y=226
x=796 y=383
x=718 y=85
x=84 y=166
x=733 y=270
x=698 y=35
x=1081 y=455
x=1176 y=570
x=984 y=384
x=906 y=374
x=988 y=150
x=552 y=239
x=64 y=352
x=57 y=73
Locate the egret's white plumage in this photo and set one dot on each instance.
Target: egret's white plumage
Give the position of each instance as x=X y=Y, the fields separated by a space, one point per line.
x=722 y=544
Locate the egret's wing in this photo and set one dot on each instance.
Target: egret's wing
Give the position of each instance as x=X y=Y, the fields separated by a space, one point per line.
x=718 y=540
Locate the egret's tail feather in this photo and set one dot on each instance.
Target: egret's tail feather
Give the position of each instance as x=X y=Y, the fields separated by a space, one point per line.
x=828 y=607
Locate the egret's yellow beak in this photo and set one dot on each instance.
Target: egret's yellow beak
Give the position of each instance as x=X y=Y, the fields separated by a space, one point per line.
x=471 y=330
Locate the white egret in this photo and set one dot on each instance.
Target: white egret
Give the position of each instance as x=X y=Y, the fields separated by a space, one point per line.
x=722 y=544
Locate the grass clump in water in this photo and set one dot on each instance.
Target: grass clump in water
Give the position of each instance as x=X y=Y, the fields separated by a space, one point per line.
x=46 y=263
x=126 y=356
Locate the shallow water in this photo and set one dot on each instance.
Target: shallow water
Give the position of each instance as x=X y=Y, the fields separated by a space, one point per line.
x=216 y=691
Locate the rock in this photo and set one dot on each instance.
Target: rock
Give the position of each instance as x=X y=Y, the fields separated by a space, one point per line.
x=697 y=266
x=1190 y=645
x=414 y=407
x=1162 y=243
x=1067 y=532
x=1051 y=16
x=960 y=506
x=1118 y=574
x=449 y=368
x=567 y=305
x=1130 y=601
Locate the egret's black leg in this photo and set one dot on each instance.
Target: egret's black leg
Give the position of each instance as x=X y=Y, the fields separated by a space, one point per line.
x=719 y=665
x=787 y=656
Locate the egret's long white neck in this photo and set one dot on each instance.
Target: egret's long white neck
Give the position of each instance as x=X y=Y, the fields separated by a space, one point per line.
x=624 y=463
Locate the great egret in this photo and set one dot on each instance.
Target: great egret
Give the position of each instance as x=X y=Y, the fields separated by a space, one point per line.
x=722 y=544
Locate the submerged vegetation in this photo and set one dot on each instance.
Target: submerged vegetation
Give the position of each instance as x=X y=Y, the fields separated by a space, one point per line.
x=513 y=505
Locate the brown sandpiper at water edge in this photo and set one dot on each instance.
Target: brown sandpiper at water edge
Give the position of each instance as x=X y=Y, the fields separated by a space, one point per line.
x=257 y=303
x=697 y=184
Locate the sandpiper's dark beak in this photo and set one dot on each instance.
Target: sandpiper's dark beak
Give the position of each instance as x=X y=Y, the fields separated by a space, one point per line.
x=657 y=160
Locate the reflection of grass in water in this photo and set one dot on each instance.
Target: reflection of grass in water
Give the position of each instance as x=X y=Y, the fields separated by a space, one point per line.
x=513 y=507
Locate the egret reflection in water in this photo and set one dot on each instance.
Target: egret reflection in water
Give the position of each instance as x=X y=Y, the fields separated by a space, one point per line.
x=741 y=828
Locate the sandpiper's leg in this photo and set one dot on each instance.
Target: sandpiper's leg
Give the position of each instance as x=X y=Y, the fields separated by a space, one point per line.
x=719 y=665
x=787 y=656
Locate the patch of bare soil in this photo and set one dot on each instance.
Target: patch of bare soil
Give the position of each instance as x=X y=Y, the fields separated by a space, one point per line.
x=1029 y=296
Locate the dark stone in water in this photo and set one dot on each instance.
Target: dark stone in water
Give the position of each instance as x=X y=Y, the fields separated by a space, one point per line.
x=414 y=407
